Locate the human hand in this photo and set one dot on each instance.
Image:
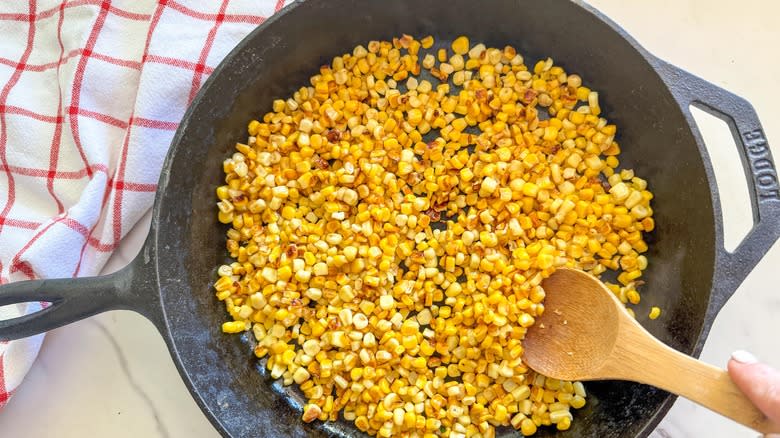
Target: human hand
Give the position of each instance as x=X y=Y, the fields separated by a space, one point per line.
x=759 y=382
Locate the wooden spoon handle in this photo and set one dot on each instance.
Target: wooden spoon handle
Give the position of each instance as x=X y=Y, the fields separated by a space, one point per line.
x=699 y=382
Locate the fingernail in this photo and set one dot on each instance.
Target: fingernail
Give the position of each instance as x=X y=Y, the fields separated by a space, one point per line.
x=743 y=356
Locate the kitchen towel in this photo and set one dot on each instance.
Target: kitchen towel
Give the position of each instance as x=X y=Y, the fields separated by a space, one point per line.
x=92 y=93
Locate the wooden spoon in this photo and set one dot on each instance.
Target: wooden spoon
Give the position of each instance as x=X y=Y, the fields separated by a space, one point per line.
x=585 y=333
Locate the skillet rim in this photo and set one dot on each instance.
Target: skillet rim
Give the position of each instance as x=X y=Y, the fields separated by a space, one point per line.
x=656 y=64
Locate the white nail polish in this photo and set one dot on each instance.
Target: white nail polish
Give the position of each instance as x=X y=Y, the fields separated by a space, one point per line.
x=743 y=356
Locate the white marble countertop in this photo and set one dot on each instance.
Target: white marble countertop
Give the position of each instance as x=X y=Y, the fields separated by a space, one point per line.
x=111 y=375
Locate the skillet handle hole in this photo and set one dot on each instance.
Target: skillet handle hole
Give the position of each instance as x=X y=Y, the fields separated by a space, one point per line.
x=737 y=210
x=9 y=312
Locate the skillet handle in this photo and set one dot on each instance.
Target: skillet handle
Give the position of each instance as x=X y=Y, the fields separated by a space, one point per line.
x=73 y=299
x=760 y=170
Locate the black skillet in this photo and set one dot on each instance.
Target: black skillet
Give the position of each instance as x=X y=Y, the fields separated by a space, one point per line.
x=690 y=276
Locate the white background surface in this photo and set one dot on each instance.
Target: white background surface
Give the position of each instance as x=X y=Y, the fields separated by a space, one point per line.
x=111 y=375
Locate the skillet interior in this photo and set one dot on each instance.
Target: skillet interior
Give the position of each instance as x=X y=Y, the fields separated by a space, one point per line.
x=221 y=371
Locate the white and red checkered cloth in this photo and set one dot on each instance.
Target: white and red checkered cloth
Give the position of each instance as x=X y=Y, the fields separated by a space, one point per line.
x=92 y=92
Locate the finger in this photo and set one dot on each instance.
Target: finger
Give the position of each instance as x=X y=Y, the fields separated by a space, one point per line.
x=759 y=382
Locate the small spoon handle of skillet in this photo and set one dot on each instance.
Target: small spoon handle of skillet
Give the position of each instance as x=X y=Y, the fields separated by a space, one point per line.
x=656 y=364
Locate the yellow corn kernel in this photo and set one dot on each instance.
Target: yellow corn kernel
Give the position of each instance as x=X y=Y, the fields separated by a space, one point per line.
x=234 y=326
x=441 y=55
x=527 y=427
x=284 y=273
x=460 y=45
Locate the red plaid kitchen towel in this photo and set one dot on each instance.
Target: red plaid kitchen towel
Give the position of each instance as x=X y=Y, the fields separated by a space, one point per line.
x=92 y=92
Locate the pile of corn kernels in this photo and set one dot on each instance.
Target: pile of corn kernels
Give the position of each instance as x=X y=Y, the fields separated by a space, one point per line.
x=390 y=234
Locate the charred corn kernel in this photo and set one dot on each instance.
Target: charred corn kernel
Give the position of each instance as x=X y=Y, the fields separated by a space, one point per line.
x=655 y=312
x=347 y=284
x=311 y=412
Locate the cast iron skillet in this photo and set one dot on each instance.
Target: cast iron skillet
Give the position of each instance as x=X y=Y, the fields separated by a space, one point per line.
x=690 y=276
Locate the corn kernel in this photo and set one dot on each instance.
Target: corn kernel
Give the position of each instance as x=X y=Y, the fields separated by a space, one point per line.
x=234 y=327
